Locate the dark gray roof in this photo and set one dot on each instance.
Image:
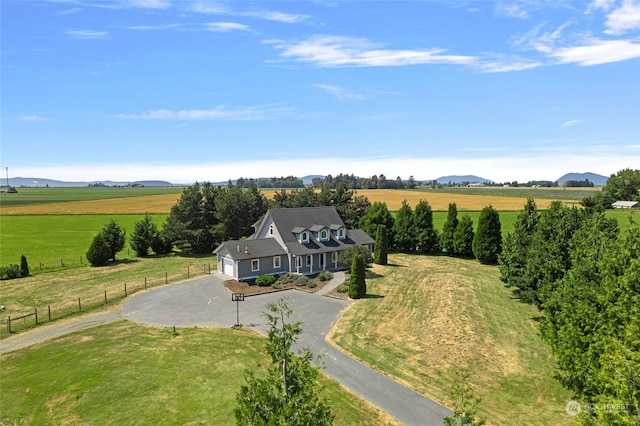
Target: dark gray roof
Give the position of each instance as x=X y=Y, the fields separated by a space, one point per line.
x=288 y=220
x=251 y=249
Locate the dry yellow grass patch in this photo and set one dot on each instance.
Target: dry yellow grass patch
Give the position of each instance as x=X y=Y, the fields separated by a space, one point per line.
x=143 y=204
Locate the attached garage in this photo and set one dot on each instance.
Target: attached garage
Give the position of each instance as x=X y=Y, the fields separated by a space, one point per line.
x=227 y=266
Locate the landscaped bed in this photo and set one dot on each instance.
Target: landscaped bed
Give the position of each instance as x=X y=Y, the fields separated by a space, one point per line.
x=309 y=284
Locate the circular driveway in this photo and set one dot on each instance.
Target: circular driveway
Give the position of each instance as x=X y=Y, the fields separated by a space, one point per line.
x=205 y=302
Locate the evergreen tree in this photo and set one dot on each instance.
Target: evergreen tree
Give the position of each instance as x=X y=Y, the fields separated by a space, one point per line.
x=24 y=266
x=487 y=243
x=99 y=252
x=380 y=250
x=289 y=394
x=403 y=229
x=449 y=229
x=426 y=237
x=547 y=258
x=144 y=233
x=513 y=258
x=115 y=237
x=357 y=282
x=378 y=214
x=463 y=237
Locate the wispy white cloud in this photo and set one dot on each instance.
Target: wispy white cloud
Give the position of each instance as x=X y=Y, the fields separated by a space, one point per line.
x=597 y=52
x=220 y=113
x=509 y=65
x=220 y=9
x=87 y=34
x=147 y=4
x=155 y=27
x=337 y=51
x=624 y=18
x=340 y=92
x=225 y=26
x=32 y=117
x=571 y=123
x=511 y=9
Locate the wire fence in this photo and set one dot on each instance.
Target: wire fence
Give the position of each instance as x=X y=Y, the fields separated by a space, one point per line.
x=92 y=301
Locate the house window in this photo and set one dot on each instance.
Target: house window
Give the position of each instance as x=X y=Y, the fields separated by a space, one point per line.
x=341 y=233
x=308 y=260
x=298 y=261
x=334 y=256
x=271 y=229
x=255 y=265
x=324 y=235
x=304 y=237
x=276 y=262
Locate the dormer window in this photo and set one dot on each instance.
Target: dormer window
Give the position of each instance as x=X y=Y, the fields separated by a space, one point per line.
x=304 y=237
x=324 y=235
x=341 y=234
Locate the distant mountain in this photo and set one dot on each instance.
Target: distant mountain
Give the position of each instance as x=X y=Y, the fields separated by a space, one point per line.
x=598 y=180
x=462 y=179
x=21 y=182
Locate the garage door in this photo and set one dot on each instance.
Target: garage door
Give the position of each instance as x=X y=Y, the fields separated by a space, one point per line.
x=227 y=266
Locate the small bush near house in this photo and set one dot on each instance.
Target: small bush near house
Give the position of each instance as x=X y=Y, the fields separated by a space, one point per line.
x=287 y=279
x=275 y=285
x=325 y=276
x=301 y=281
x=342 y=288
x=311 y=284
x=265 y=280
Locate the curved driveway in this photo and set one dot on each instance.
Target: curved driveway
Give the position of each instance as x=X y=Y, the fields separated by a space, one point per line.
x=205 y=302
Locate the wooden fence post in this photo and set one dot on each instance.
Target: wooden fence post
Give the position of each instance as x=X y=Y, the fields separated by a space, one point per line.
x=79 y=305
x=145 y=283
x=9 y=324
x=166 y=278
x=105 y=297
x=49 y=307
x=36 y=312
x=125 y=289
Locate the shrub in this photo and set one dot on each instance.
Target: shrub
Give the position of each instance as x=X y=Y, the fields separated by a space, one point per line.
x=357 y=283
x=275 y=285
x=9 y=272
x=325 y=276
x=342 y=288
x=265 y=280
x=301 y=281
x=99 y=252
x=311 y=284
x=24 y=266
x=287 y=279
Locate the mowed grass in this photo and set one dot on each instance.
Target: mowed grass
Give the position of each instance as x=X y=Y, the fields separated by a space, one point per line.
x=430 y=317
x=128 y=374
x=62 y=289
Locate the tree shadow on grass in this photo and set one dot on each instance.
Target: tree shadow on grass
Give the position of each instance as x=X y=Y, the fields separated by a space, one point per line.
x=372 y=296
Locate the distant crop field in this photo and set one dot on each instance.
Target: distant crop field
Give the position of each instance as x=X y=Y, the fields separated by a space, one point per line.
x=555 y=193
x=40 y=196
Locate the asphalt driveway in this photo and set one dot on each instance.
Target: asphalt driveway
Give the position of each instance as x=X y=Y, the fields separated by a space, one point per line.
x=205 y=302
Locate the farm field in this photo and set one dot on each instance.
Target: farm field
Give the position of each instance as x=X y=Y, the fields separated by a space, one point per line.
x=86 y=201
x=430 y=317
x=49 y=240
x=126 y=374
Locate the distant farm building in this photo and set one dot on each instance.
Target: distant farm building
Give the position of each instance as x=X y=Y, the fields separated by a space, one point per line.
x=625 y=204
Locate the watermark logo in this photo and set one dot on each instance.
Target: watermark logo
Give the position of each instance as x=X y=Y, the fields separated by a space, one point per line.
x=573 y=408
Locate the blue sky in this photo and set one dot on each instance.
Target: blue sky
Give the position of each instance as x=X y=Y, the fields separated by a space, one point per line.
x=210 y=91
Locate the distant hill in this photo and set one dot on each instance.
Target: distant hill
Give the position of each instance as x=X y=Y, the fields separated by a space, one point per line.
x=21 y=182
x=598 y=180
x=462 y=179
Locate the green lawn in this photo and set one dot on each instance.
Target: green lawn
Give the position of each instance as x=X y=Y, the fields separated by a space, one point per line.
x=48 y=241
x=128 y=374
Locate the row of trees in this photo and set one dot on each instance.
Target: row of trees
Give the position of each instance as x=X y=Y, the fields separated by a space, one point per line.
x=412 y=231
x=584 y=275
x=274 y=182
x=355 y=182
